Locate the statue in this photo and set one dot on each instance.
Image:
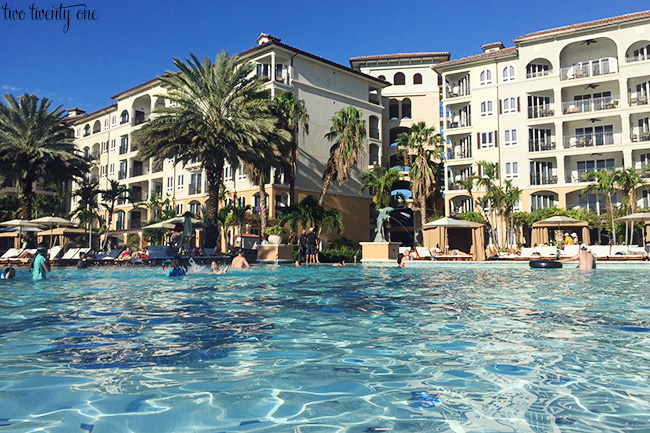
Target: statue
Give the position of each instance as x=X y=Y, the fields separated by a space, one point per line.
x=382 y=235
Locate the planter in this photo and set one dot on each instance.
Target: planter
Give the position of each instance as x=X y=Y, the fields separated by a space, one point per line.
x=275 y=239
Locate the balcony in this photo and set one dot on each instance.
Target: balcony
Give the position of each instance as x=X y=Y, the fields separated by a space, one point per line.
x=587 y=140
x=455 y=92
x=645 y=136
x=589 y=68
x=585 y=106
x=140 y=118
x=157 y=167
x=137 y=196
x=373 y=98
x=641 y=57
x=462 y=124
x=124 y=149
x=121 y=174
x=537 y=145
x=543 y=179
x=638 y=100
x=456 y=187
x=374 y=133
x=462 y=154
x=580 y=176
x=537 y=74
x=139 y=171
x=94 y=179
x=541 y=111
x=194 y=188
x=135 y=224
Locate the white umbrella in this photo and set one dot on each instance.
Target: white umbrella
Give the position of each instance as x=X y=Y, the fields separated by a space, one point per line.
x=448 y=222
x=160 y=225
x=181 y=220
x=637 y=217
x=52 y=221
x=20 y=224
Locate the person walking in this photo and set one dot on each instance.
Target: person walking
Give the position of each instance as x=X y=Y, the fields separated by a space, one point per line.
x=302 y=246
x=312 y=240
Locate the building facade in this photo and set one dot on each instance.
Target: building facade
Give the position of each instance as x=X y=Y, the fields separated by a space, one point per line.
x=105 y=138
x=558 y=104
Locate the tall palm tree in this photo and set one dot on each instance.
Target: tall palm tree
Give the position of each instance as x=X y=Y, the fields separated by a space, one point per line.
x=221 y=110
x=492 y=195
x=510 y=198
x=348 y=132
x=308 y=212
x=420 y=148
x=629 y=180
x=87 y=206
x=468 y=185
x=110 y=195
x=54 y=204
x=379 y=185
x=292 y=114
x=604 y=185
x=33 y=145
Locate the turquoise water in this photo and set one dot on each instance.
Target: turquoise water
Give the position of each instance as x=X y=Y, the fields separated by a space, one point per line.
x=438 y=348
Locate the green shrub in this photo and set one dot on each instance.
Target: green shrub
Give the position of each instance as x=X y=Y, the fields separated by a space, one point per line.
x=341 y=242
x=335 y=255
x=134 y=242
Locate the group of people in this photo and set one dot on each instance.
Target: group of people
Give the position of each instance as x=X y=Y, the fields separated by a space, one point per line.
x=176 y=267
x=308 y=247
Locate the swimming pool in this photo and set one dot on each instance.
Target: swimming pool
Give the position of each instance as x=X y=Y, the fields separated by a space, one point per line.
x=444 y=347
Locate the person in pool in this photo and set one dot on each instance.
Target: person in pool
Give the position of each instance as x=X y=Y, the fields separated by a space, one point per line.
x=8 y=273
x=586 y=260
x=216 y=270
x=41 y=265
x=174 y=268
x=239 y=262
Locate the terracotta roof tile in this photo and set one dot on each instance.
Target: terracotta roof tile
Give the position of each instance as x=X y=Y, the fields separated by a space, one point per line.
x=483 y=56
x=597 y=23
x=401 y=56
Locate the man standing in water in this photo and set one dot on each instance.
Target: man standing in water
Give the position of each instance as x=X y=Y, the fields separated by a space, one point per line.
x=586 y=260
x=239 y=262
x=41 y=265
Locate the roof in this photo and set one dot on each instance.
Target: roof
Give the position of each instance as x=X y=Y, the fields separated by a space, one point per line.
x=444 y=54
x=276 y=41
x=590 y=24
x=146 y=83
x=478 y=57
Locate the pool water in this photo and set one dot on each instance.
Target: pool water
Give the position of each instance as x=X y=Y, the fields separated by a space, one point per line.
x=437 y=348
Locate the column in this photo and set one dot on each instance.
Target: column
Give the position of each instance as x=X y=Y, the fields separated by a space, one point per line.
x=561 y=176
x=624 y=100
x=557 y=101
x=559 y=134
x=272 y=74
x=627 y=158
x=626 y=129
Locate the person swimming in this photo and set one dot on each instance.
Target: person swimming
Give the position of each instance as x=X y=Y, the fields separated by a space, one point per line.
x=8 y=273
x=215 y=269
x=174 y=267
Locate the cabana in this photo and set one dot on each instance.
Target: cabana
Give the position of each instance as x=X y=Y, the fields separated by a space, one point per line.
x=63 y=234
x=540 y=235
x=452 y=234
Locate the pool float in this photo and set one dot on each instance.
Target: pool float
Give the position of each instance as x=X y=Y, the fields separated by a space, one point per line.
x=550 y=264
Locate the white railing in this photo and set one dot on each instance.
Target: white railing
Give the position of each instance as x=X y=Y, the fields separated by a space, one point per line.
x=595 y=139
x=590 y=68
x=545 y=110
x=586 y=105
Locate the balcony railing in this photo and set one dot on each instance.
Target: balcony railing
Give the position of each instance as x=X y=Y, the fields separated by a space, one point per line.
x=460 y=154
x=595 y=104
x=537 y=145
x=140 y=118
x=456 y=187
x=537 y=74
x=639 y=58
x=543 y=179
x=373 y=98
x=456 y=92
x=541 y=111
x=194 y=188
x=137 y=196
x=121 y=174
x=638 y=99
x=596 y=139
x=578 y=176
x=590 y=68
x=644 y=136
x=124 y=149
x=139 y=170
x=452 y=125
x=135 y=224
x=157 y=168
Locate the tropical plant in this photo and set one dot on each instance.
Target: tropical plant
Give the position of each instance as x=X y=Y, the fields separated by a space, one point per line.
x=468 y=184
x=348 y=132
x=420 y=148
x=87 y=207
x=33 y=145
x=9 y=207
x=604 y=185
x=292 y=114
x=308 y=212
x=220 y=112
x=380 y=186
x=276 y=230
x=629 y=180
x=110 y=196
x=492 y=195
x=54 y=203
x=237 y=217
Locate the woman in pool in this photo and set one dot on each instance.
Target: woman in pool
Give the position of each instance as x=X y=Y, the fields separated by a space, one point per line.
x=216 y=270
x=174 y=268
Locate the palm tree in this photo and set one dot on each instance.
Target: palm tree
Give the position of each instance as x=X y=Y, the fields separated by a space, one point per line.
x=221 y=110
x=114 y=192
x=87 y=206
x=420 y=148
x=468 y=185
x=492 y=195
x=237 y=217
x=629 y=180
x=33 y=145
x=604 y=185
x=54 y=204
x=292 y=114
x=348 y=131
x=510 y=198
x=380 y=186
x=308 y=212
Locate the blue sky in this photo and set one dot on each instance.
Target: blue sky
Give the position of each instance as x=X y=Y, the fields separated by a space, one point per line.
x=133 y=41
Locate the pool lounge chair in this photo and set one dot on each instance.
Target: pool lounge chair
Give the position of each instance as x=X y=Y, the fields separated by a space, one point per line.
x=112 y=255
x=422 y=253
x=527 y=253
x=570 y=250
x=11 y=253
x=546 y=252
x=600 y=251
x=456 y=257
x=55 y=252
x=70 y=253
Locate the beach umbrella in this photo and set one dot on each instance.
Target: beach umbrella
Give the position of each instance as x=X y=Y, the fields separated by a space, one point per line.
x=52 y=221
x=160 y=225
x=181 y=220
x=449 y=222
x=559 y=220
x=643 y=217
x=20 y=224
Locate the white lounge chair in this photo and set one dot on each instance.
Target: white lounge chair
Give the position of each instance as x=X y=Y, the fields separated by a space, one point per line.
x=55 y=251
x=422 y=253
x=600 y=251
x=546 y=251
x=616 y=249
x=570 y=250
x=11 y=253
x=70 y=253
x=80 y=251
x=527 y=252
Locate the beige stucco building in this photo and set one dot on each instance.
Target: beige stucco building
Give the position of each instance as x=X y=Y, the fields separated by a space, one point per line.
x=559 y=103
x=105 y=138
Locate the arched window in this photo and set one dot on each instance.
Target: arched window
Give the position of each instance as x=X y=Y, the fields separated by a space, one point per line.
x=241 y=201
x=486 y=108
x=374 y=154
x=485 y=77
x=124 y=117
x=374 y=127
x=406 y=108
x=417 y=79
x=509 y=73
x=86 y=130
x=382 y=77
x=399 y=79
x=509 y=105
x=195 y=209
x=106 y=123
x=393 y=109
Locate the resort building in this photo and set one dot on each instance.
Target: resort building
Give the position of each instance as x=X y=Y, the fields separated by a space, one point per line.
x=105 y=138
x=413 y=97
x=559 y=103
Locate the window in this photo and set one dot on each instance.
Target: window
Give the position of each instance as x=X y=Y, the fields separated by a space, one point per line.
x=179 y=209
x=78 y=132
x=119 y=220
x=113 y=120
x=170 y=184
x=86 y=130
x=534 y=71
x=393 y=109
x=399 y=79
x=509 y=105
x=113 y=146
x=241 y=201
x=486 y=108
x=227 y=173
x=486 y=140
x=542 y=201
x=382 y=77
x=124 y=144
x=104 y=147
x=195 y=209
x=406 y=108
x=485 y=77
x=417 y=79
x=124 y=117
x=510 y=138
x=104 y=170
x=509 y=73
x=195 y=183
x=111 y=170
x=105 y=124
x=180 y=181
x=512 y=170
x=240 y=173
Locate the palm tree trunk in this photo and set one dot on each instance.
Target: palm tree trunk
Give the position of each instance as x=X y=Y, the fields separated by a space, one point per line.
x=610 y=214
x=26 y=191
x=293 y=167
x=633 y=199
x=213 y=174
x=326 y=186
x=263 y=214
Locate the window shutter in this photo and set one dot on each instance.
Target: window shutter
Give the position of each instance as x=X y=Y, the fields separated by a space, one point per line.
x=501 y=106
x=478 y=140
x=518 y=109
x=496 y=141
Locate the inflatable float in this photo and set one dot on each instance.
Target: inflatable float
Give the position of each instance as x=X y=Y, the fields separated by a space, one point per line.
x=543 y=264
